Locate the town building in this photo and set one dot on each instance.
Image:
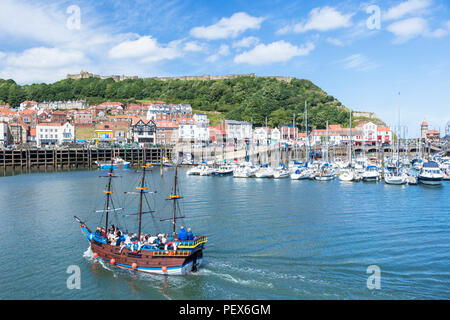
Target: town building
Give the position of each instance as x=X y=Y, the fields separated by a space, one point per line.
x=63 y=105
x=429 y=135
x=166 y=132
x=5 y=136
x=288 y=132
x=237 y=131
x=52 y=133
x=143 y=132
x=82 y=117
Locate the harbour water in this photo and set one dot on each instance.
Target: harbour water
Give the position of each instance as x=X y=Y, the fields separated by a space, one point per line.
x=268 y=239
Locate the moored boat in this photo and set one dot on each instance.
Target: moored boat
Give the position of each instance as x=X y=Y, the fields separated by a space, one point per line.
x=430 y=174
x=116 y=163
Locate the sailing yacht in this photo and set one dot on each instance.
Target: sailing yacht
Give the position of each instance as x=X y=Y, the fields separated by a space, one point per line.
x=165 y=255
x=325 y=173
x=281 y=173
x=395 y=177
x=264 y=172
x=347 y=174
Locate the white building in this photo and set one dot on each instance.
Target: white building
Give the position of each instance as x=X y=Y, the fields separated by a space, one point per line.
x=54 y=133
x=201 y=130
x=81 y=104
x=187 y=129
x=261 y=135
x=275 y=136
x=4 y=134
x=238 y=131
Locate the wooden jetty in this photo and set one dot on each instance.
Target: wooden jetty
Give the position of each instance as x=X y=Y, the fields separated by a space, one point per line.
x=26 y=159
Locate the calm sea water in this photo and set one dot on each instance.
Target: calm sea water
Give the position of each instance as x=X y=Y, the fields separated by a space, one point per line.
x=268 y=239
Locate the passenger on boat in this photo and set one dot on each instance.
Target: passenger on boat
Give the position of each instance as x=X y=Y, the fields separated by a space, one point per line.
x=182 y=235
x=118 y=236
x=111 y=229
x=152 y=239
x=103 y=232
x=190 y=235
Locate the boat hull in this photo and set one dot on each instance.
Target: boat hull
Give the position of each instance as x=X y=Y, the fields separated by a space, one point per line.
x=430 y=181
x=147 y=261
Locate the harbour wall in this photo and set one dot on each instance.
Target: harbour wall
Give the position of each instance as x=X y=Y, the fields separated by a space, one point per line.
x=78 y=157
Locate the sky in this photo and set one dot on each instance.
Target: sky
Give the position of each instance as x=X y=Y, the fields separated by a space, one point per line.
x=389 y=57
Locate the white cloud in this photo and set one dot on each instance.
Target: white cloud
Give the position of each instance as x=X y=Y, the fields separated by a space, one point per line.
x=358 y=62
x=335 y=41
x=320 y=19
x=407 y=29
x=224 y=50
x=41 y=64
x=228 y=27
x=193 y=46
x=145 y=48
x=45 y=58
x=279 y=51
x=246 y=42
x=405 y=8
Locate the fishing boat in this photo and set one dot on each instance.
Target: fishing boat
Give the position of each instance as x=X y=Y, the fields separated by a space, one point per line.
x=116 y=163
x=166 y=255
x=430 y=174
x=224 y=170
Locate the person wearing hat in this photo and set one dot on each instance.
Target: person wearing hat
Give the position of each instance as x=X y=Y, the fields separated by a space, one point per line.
x=182 y=235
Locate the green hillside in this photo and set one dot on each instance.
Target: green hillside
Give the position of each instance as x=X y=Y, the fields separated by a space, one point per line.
x=245 y=98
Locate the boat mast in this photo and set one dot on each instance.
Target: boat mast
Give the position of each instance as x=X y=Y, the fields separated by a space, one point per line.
x=142 y=190
x=307 y=133
x=351 y=140
x=108 y=193
x=175 y=197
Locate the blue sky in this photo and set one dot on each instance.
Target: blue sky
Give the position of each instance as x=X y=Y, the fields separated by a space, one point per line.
x=363 y=53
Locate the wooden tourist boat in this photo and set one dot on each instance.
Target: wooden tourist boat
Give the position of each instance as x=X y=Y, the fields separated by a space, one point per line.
x=172 y=257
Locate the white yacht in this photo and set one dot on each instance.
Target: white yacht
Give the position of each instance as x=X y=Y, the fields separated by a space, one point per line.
x=301 y=173
x=194 y=171
x=325 y=173
x=281 y=173
x=244 y=170
x=430 y=174
x=265 y=172
x=395 y=177
x=347 y=175
x=371 y=173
